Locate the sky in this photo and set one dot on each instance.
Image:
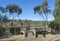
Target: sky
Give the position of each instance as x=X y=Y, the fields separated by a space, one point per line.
x=27 y=9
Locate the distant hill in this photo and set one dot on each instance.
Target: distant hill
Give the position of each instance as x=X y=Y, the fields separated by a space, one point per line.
x=25 y=23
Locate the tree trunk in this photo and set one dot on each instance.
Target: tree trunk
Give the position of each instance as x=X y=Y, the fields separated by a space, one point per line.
x=13 y=24
x=46 y=22
x=9 y=26
x=43 y=18
x=13 y=19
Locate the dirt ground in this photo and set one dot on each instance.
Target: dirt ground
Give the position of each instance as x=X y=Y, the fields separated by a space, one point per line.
x=48 y=37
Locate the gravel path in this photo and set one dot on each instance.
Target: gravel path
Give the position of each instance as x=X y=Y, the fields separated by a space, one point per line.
x=40 y=38
x=30 y=37
x=33 y=38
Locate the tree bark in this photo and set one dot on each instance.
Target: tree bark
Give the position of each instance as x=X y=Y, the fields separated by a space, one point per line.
x=46 y=22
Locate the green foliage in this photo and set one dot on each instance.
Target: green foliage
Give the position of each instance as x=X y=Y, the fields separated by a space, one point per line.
x=2 y=31
x=56 y=11
x=56 y=14
x=2 y=9
x=13 y=8
x=37 y=9
x=57 y=3
x=42 y=10
x=55 y=25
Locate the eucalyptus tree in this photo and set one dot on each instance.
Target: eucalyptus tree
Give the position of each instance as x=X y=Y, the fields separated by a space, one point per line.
x=56 y=13
x=42 y=10
x=14 y=9
x=4 y=17
x=2 y=10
